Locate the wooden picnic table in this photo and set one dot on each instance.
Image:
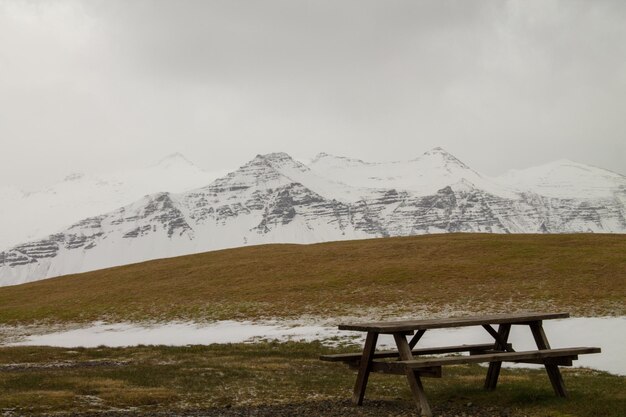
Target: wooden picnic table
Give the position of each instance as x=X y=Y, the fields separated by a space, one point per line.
x=403 y=361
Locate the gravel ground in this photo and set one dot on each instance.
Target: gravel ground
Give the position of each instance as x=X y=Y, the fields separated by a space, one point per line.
x=326 y=408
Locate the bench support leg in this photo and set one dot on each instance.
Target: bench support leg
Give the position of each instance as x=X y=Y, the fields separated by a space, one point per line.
x=494 y=367
x=364 y=368
x=413 y=377
x=416 y=338
x=552 y=369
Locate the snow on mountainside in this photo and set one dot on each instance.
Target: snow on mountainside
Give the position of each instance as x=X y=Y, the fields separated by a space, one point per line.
x=424 y=175
x=283 y=164
x=26 y=216
x=567 y=179
x=256 y=204
x=274 y=198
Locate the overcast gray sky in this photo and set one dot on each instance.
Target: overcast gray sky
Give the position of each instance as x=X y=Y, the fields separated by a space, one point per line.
x=102 y=85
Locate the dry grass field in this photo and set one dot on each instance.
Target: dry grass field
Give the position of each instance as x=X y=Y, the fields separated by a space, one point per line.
x=432 y=275
x=584 y=274
x=271 y=379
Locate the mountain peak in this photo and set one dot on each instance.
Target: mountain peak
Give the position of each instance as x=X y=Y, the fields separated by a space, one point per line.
x=324 y=157
x=438 y=151
x=444 y=156
x=273 y=160
x=74 y=176
x=281 y=161
x=565 y=166
x=321 y=155
x=276 y=157
x=568 y=164
x=267 y=168
x=174 y=159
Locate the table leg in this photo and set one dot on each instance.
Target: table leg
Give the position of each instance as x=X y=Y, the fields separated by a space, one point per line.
x=553 y=370
x=494 y=367
x=364 y=368
x=415 y=382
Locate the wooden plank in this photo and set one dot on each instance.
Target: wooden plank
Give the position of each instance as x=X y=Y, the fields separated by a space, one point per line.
x=501 y=356
x=390 y=327
x=561 y=361
x=396 y=368
x=553 y=370
x=508 y=348
x=564 y=361
x=399 y=368
x=364 y=368
x=416 y=338
x=493 y=373
x=351 y=357
x=415 y=383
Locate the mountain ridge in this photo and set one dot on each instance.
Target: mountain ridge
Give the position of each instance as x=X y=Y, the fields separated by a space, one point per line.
x=79 y=196
x=275 y=199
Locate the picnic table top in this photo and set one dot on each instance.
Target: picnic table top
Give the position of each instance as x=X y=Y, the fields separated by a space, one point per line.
x=412 y=325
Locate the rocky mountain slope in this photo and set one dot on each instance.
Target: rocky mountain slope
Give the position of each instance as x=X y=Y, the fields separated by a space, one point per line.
x=274 y=198
x=26 y=216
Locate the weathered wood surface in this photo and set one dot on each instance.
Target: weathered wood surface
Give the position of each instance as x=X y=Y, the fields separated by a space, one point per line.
x=364 y=368
x=501 y=337
x=416 y=338
x=553 y=370
x=412 y=325
x=350 y=357
x=415 y=382
x=501 y=357
x=494 y=353
x=396 y=368
x=560 y=361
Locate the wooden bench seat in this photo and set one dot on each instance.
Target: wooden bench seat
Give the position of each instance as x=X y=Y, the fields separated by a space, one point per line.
x=431 y=367
x=535 y=355
x=356 y=357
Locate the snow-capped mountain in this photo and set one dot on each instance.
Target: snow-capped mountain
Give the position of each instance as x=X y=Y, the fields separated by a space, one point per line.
x=27 y=216
x=274 y=198
x=567 y=179
x=424 y=175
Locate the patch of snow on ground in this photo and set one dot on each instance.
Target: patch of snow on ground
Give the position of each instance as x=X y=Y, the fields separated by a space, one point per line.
x=609 y=333
x=176 y=334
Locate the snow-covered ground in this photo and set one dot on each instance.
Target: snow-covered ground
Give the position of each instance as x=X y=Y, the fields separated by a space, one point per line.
x=609 y=333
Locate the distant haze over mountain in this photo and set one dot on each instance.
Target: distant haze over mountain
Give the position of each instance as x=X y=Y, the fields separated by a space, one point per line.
x=173 y=208
x=110 y=84
x=26 y=216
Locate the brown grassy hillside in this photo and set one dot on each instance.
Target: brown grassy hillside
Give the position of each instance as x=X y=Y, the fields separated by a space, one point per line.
x=582 y=273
